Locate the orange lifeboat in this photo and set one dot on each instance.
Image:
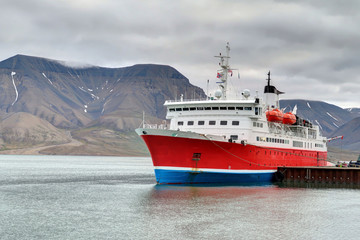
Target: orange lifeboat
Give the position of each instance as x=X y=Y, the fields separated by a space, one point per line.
x=274 y=116
x=289 y=118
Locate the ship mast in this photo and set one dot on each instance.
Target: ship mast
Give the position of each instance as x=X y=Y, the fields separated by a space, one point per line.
x=222 y=74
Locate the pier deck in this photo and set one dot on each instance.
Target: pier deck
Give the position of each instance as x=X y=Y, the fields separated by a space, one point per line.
x=329 y=175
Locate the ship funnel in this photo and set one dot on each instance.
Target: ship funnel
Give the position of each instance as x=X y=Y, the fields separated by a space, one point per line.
x=271 y=95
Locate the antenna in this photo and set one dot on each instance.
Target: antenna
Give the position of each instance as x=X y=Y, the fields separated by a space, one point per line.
x=223 y=72
x=207 y=90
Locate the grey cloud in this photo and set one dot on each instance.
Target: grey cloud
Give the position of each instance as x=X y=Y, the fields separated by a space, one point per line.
x=312 y=43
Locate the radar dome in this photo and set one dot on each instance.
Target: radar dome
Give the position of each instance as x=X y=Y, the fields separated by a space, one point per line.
x=246 y=93
x=218 y=93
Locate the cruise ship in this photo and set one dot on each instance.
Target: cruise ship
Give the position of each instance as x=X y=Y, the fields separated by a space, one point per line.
x=230 y=141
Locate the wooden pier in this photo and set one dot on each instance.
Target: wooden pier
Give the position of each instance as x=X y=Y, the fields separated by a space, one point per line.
x=322 y=175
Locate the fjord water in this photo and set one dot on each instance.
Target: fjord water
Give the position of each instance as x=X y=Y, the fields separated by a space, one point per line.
x=62 y=197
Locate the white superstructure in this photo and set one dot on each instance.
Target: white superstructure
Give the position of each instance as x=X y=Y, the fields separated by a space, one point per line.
x=242 y=120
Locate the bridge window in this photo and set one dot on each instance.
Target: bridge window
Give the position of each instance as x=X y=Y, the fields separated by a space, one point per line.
x=190 y=123
x=223 y=122
x=215 y=108
x=180 y=123
x=201 y=122
x=178 y=109
x=171 y=109
x=235 y=123
x=185 y=109
x=248 y=108
x=212 y=122
x=239 y=108
x=223 y=108
x=231 y=108
x=298 y=144
x=207 y=108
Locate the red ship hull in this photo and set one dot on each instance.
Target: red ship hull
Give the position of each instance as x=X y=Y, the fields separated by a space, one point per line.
x=189 y=160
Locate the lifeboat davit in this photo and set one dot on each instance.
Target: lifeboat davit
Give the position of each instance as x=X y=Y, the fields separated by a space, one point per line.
x=275 y=116
x=289 y=118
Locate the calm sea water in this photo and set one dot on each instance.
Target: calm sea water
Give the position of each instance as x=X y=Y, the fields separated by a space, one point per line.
x=61 y=197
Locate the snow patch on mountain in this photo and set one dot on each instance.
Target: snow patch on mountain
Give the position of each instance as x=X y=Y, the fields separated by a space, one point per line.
x=331 y=116
x=16 y=91
x=47 y=78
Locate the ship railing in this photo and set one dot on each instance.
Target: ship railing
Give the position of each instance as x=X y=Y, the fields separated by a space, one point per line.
x=156 y=126
x=186 y=100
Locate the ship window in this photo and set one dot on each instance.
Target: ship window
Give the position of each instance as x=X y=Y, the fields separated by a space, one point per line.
x=256 y=111
x=171 y=109
x=231 y=108
x=178 y=109
x=180 y=123
x=212 y=122
x=248 y=108
x=215 y=108
x=201 y=122
x=261 y=125
x=192 y=109
x=254 y=124
x=234 y=137
x=222 y=108
x=235 y=123
x=239 y=108
x=257 y=138
x=190 y=123
x=200 y=108
x=207 y=108
x=298 y=144
x=223 y=122
x=185 y=109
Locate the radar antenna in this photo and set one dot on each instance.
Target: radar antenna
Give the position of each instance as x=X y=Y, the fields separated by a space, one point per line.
x=223 y=72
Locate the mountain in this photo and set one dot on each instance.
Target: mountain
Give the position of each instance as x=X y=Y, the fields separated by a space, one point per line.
x=327 y=116
x=73 y=97
x=86 y=101
x=351 y=133
x=29 y=130
x=354 y=111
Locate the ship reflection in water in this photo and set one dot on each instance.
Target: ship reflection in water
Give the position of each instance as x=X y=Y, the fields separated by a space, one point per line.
x=242 y=212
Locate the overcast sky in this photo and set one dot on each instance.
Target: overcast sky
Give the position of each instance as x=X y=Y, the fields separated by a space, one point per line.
x=312 y=47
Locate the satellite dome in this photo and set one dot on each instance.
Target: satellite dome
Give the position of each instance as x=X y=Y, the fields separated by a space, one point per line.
x=218 y=93
x=246 y=93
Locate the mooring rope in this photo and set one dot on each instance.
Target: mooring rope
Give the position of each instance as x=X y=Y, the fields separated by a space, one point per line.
x=258 y=164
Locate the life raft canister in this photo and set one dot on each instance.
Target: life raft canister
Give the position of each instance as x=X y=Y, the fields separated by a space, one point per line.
x=289 y=118
x=275 y=116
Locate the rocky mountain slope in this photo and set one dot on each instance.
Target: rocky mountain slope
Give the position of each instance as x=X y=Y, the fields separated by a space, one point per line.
x=86 y=99
x=73 y=97
x=351 y=133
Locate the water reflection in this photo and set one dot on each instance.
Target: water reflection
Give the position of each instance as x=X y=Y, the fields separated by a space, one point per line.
x=177 y=192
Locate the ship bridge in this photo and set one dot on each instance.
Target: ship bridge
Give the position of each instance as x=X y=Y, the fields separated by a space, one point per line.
x=216 y=117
